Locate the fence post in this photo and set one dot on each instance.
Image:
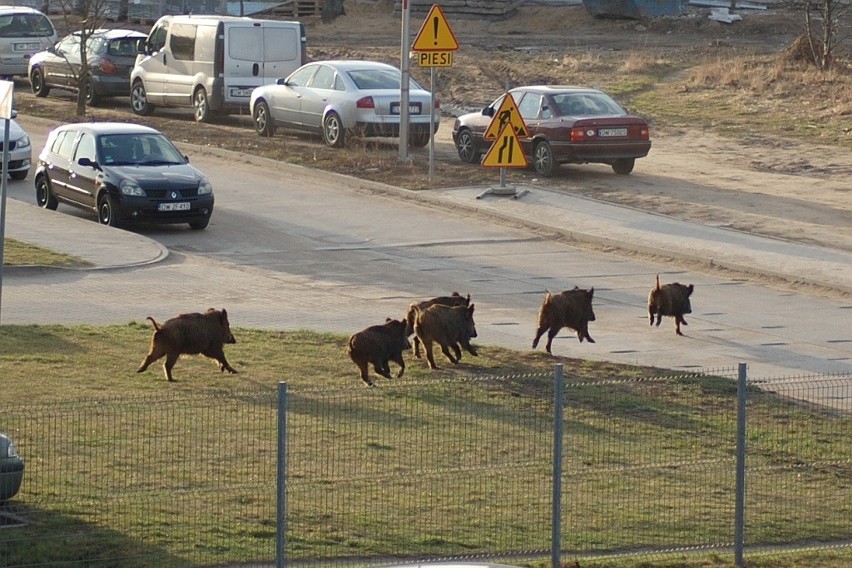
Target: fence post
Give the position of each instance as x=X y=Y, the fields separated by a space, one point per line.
x=281 y=504
x=739 y=510
x=556 y=520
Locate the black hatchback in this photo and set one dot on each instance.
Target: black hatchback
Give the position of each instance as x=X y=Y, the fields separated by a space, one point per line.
x=127 y=173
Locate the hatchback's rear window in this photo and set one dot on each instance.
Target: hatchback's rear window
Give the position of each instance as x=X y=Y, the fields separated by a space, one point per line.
x=123 y=47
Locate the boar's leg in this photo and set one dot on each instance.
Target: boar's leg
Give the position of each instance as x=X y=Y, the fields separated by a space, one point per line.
x=457 y=351
x=554 y=331
x=152 y=356
x=469 y=348
x=538 y=334
x=381 y=368
x=219 y=355
x=678 y=321
x=430 y=357
x=417 y=347
x=401 y=362
x=445 y=349
x=362 y=367
x=659 y=318
x=171 y=359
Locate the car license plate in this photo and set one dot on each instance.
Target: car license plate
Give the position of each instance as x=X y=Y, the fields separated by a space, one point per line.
x=413 y=108
x=179 y=206
x=603 y=132
x=242 y=93
x=28 y=46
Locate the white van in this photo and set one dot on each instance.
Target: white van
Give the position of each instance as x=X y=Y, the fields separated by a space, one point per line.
x=212 y=63
x=23 y=32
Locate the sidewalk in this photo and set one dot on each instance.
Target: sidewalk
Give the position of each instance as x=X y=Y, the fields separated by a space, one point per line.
x=573 y=217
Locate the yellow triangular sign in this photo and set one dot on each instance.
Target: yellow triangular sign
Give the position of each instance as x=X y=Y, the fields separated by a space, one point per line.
x=506 y=151
x=435 y=34
x=507 y=114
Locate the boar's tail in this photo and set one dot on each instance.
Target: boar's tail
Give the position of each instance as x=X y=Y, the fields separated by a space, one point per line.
x=153 y=321
x=658 y=281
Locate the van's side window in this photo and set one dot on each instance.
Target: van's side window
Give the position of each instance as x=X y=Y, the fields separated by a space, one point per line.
x=182 y=42
x=157 y=37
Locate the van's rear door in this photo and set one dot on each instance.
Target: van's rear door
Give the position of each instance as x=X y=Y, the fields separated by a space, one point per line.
x=258 y=52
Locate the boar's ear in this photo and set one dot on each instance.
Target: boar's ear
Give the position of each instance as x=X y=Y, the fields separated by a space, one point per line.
x=467 y=301
x=591 y=292
x=388 y=320
x=690 y=288
x=470 y=309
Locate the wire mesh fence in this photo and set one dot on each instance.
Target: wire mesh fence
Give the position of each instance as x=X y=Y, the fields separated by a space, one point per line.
x=446 y=468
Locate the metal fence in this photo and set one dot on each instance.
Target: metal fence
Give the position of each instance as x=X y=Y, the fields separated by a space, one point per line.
x=446 y=468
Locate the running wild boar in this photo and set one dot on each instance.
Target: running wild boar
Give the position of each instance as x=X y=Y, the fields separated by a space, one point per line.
x=571 y=309
x=449 y=327
x=670 y=300
x=454 y=299
x=379 y=344
x=190 y=334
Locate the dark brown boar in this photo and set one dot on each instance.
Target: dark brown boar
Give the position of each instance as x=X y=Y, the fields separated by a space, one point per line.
x=571 y=309
x=454 y=299
x=448 y=326
x=190 y=334
x=379 y=344
x=671 y=300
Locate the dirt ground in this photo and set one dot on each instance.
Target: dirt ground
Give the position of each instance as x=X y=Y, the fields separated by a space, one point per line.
x=777 y=187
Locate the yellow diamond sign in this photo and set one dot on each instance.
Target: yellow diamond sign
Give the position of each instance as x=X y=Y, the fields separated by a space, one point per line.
x=506 y=151
x=435 y=34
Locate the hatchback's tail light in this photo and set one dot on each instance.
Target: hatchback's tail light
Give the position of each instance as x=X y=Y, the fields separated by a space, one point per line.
x=107 y=67
x=365 y=102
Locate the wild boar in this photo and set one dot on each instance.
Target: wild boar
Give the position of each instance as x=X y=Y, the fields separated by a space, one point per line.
x=190 y=334
x=449 y=326
x=379 y=344
x=454 y=299
x=670 y=300
x=571 y=309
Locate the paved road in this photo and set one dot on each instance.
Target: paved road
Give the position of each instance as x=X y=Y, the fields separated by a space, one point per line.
x=290 y=248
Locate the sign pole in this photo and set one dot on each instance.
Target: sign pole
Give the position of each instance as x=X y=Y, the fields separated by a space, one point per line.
x=431 y=128
x=7 y=89
x=404 y=95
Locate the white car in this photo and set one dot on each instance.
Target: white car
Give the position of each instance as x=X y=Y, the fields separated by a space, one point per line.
x=20 y=150
x=341 y=97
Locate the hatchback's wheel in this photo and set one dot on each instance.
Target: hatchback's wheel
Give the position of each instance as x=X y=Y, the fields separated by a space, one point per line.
x=332 y=131
x=39 y=86
x=199 y=225
x=543 y=159
x=106 y=210
x=466 y=147
x=419 y=139
x=623 y=166
x=262 y=120
x=19 y=175
x=92 y=98
x=139 y=100
x=201 y=104
x=44 y=197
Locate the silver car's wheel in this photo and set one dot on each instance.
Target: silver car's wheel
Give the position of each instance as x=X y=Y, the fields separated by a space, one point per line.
x=201 y=104
x=543 y=159
x=44 y=197
x=623 y=166
x=40 y=88
x=466 y=148
x=263 y=123
x=139 y=100
x=92 y=97
x=332 y=131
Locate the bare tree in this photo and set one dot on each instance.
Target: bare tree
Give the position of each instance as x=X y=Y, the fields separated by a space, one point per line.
x=92 y=16
x=826 y=29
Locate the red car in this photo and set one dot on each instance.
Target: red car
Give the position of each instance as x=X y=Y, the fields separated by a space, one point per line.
x=566 y=125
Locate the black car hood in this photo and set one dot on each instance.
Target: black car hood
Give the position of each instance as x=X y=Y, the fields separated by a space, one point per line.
x=177 y=176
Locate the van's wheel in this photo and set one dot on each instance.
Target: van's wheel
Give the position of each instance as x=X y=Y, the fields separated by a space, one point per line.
x=262 y=120
x=39 y=86
x=139 y=100
x=332 y=131
x=543 y=159
x=201 y=104
x=623 y=166
x=106 y=210
x=92 y=98
x=44 y=197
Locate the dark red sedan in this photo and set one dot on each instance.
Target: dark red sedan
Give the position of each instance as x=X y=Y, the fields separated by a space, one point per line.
x=566 y=125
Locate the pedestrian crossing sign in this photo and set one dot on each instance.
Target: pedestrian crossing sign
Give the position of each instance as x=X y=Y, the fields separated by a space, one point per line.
x=506 y=151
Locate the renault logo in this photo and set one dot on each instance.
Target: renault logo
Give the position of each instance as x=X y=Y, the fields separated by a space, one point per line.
x=174 y=195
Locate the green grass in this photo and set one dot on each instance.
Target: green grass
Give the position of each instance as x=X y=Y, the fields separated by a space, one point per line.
x=360 y=465
x=17 y=253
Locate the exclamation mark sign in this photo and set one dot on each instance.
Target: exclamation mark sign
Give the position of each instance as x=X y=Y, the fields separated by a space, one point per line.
x=435 y=28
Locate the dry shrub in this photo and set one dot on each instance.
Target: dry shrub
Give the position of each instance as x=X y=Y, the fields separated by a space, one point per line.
x=801 y=51
x=641 y=62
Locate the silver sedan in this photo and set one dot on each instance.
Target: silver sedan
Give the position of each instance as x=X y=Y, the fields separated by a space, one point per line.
x=338 y=98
